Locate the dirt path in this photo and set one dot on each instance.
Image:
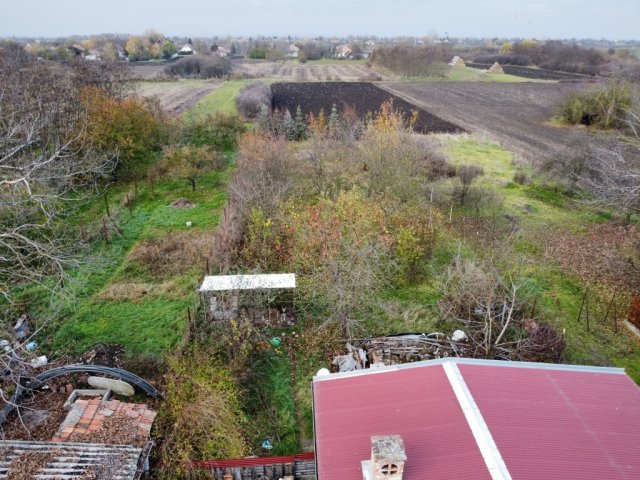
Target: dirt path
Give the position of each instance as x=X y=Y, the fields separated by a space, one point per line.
x=516 y=115
x=177 y=96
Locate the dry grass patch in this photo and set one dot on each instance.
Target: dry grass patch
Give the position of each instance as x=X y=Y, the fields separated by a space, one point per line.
x=606 y=254
x=135 y=292
x=174 y=254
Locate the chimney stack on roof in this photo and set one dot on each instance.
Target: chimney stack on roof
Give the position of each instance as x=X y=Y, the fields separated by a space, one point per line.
x=387 y=458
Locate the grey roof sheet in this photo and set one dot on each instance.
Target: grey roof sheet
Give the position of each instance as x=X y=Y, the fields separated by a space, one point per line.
x=71 y=460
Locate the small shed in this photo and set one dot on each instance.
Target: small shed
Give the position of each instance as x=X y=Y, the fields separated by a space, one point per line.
x=265 y=297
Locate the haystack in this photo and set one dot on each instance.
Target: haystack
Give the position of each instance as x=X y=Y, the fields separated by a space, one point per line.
x=496 y=68
x=457 y=62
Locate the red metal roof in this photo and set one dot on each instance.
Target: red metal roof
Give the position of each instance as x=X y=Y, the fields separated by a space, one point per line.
x=544 y=422
x=417 y=403
x=560 y=424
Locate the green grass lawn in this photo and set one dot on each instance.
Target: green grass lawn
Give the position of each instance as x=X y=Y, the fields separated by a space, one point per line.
x=148 y=314
x=220 y=100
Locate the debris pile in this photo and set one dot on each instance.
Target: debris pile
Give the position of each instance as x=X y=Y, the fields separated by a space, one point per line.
x=28 y=465
x=398 y=349
x=108 y=422
x=182 y=203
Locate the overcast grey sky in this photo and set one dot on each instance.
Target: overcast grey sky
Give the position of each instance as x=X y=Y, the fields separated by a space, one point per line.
x=613 y=19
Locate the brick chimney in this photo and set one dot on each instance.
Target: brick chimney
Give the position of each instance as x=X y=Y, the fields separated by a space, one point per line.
x=387 y=458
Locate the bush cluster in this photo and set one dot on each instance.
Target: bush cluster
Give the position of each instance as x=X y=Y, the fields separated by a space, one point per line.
x=555 y=55
x=253 y=99
x=133 y=129
x=412 y=61
x=520 y=60
x=219 y=130
x=200 y=67
x=605 y=107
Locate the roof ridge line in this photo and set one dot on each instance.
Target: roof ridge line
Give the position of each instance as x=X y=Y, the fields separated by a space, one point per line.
x=474 y=361
x=481 y=433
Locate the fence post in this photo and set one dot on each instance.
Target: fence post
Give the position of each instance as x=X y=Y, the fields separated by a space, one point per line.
x=584 y=298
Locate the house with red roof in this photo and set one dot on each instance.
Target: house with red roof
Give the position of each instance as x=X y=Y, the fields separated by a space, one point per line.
x=453 y=419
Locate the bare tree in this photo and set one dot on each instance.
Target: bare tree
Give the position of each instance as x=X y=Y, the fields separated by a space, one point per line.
x=43 y=163
x=111 y=76
x=613 y=172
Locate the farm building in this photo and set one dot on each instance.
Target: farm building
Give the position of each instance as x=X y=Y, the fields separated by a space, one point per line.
x=293 y=51
x=186 y=50
x=343 y=51
x=459 y=418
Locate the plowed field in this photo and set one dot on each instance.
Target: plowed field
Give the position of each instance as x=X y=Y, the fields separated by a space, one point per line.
x=516 y=115
x=295 y=72
x=363 y=96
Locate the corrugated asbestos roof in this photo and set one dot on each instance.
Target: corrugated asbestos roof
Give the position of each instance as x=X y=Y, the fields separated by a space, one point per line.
x=248 y=282
x=474 y=419
x=71 y=460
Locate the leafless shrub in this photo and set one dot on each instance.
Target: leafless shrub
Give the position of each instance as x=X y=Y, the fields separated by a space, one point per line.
x=264 y=175
x=497 y=317
x=253 y=98
x=521 y=178
x=347 y=283
x=466 y=174
x=612 y=172
x=114 y=77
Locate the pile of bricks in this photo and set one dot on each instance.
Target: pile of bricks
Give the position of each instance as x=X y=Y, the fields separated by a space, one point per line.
x=88 y=415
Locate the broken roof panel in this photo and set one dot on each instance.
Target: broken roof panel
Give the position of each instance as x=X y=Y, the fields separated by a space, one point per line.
x=72 y=460
x=221 y=283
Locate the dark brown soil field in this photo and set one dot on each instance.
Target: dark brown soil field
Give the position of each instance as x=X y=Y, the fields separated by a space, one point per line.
x=513 y=114
x=363 y=96
x=536 y=73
